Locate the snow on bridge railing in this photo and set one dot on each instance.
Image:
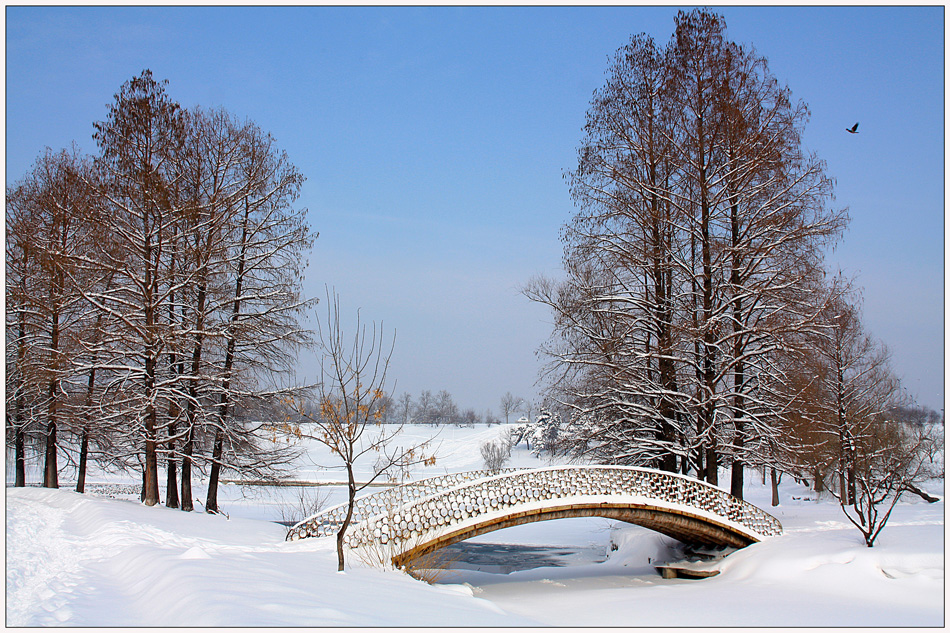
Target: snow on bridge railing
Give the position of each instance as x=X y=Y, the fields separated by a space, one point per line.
x=327 y=522
x=411 y=510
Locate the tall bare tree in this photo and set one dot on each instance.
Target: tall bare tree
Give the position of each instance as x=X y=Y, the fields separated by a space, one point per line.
x=154 y=299
x=700 y=226
x=139 y=144
x=50 y=219
x=779 y=224
x=262 y=306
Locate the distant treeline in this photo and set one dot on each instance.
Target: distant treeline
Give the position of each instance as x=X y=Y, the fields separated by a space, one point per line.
x=431 y=408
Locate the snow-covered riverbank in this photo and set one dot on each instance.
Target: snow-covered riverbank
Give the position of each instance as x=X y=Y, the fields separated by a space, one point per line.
x=83 y=560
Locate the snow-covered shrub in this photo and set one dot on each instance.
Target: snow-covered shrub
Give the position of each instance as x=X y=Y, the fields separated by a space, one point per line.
x=544 y=433
x=514 y=434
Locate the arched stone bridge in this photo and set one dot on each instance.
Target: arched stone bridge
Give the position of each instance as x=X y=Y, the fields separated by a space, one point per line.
x=422 y=516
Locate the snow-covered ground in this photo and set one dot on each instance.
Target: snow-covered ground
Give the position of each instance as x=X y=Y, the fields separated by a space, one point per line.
x=86 y=560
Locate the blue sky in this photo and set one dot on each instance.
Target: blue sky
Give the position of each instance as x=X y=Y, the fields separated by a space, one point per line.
x=434 y=141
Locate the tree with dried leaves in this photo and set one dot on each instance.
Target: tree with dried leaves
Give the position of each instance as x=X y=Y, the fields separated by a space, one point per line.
x=886 y=460
x=140 y=143
x=345 y=415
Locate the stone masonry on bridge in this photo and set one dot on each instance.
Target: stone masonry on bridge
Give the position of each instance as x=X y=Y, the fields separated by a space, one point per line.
x=435 y=512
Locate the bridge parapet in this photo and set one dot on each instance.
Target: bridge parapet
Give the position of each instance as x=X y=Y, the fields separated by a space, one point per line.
x=327 y=522
x=435 y=506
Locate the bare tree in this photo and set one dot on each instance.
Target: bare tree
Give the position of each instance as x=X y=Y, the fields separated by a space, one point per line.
x=18 y=384
x=887 y=461
x=840 y=425
x=50 y=220
x=689 y=259
x=779 y=221
x=139 y=143
x=446 y=411
x=425 y=408
x=346 y=417
x=154 y=311
x=858 y=387
x=405 y=408
x=509 y=405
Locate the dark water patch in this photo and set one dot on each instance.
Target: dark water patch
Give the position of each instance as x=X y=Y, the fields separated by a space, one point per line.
x=505 y=558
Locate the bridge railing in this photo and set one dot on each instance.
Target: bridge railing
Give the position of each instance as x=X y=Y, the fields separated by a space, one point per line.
x=506 y=491
x=327 y=522
x=409 y=511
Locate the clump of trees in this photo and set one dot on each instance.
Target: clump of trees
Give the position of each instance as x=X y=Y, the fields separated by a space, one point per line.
x=153 y=297
x=440 y=408
x=432 y=408
x=697 y=327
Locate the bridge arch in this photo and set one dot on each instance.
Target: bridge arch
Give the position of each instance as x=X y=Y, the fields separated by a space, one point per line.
x=424 y=516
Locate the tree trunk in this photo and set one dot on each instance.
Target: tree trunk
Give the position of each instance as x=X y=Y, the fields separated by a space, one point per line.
x=50 y=473
x=350 y=497
x=174 y=409
x=150 y=496
x=819 y=480
x=700 y=462
x=211 y=504
x=84 y=444
x=171 y=488
x=737 y=475
x=738 y=348
x=19 y=440
x=83 y=452
x=712 y=466
x=852 y=496
x=187 y=503
x=708 y=347
x=223 y=407
x=776 y=480
x=192 y=404
x=150 y=470
x=20 y=457
x=142 y=494
x=843 y=489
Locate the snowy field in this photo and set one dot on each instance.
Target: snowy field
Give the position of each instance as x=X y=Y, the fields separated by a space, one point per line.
x=89 y=560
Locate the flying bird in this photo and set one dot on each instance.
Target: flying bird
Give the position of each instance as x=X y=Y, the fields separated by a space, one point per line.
x=853 y=130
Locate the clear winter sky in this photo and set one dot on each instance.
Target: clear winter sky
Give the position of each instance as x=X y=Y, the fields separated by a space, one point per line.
x=434 y=141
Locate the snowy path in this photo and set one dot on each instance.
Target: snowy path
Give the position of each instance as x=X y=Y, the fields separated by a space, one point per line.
x=84 y=561
x=36 y=576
